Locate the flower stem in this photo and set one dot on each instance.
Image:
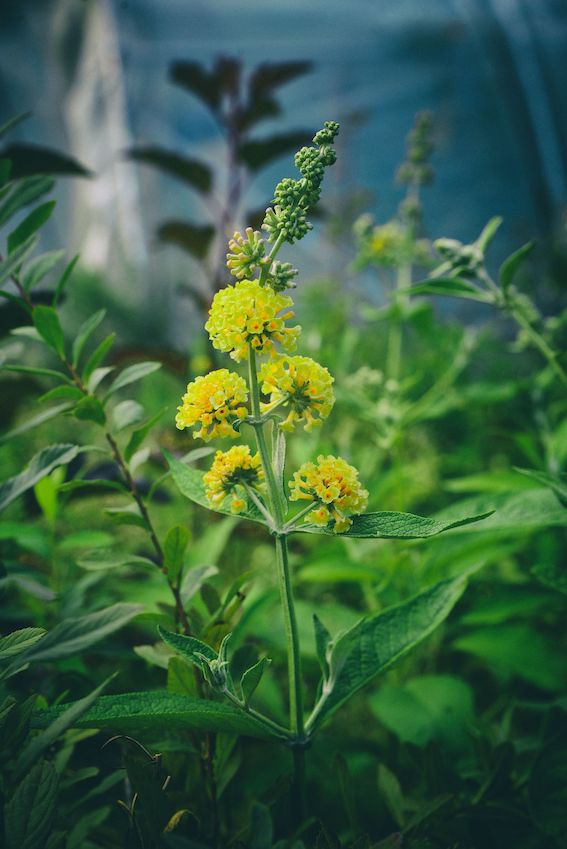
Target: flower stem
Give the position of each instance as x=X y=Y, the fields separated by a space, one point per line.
x=296 y=723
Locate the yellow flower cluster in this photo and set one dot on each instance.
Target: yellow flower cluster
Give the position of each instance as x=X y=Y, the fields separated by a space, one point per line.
x=333 y=484
x=232 y=471
x=248 y=314
x=302 y=384
x=215 y=401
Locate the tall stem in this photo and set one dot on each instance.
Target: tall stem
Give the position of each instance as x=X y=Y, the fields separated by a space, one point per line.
x=296 y=723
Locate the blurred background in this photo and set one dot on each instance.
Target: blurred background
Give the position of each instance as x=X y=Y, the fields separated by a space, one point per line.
x=97 y=77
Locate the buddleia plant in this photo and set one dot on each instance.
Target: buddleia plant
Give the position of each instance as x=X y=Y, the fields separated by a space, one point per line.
x=252 y=321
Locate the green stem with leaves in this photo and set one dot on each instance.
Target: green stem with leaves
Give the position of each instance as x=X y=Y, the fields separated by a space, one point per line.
x=296 y=721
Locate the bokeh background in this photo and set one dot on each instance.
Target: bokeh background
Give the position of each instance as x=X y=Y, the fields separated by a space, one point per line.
x=95 y=75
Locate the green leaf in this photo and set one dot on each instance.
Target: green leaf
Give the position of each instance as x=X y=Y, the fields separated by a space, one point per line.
x=190 y=237
x=190 y=483
x=271 y=75
x=30 y=159
x=454 y=287
x=194 y=78
x=13 y=122
x=5 y=170
x=190 y=648
x=140 y=433
x=129 y=515
x=176 y=542
x=252 y=677
x=377 y=642
x=46 y=322
x=518 y=650
x=65 y=720
x=98 y=375
x=389 y=525
x=30 y=812
x=102 y=560
x=322 y=642
x=258 y=154
x=547 y=795
x=18 y=641
x=40 y=465
x=391 y=792
x=511 y=265
x=126 y=414
x=488 y=233
x=90 y=409
x=96 y=358
x=558 y=486
x=11 y=264
x=518 y=511
x=191 y=171
x=194 y=579
x=83 y=334
x=63 y=280
x=156 y=714
x=31 y=223
x=24 y=193
x=73 y=636
x=34 y=421
x=426 y=708
x=40 y=268
x=66 y=393
x=131 y=375
x=41 y=372
x=551 y=575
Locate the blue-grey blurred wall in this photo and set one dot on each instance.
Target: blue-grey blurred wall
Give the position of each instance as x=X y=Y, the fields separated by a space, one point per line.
x=94 y=73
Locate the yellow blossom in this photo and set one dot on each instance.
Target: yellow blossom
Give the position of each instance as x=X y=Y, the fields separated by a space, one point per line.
x=333 y=485
x=232 y=471
x=248 y=314
x=215 y=401
x=300 y=384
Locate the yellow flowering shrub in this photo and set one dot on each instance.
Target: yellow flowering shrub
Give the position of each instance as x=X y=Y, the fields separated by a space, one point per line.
x=248 y=315
x=333 y=485
x=232 y=471
x=300 y=384
x=215 y=401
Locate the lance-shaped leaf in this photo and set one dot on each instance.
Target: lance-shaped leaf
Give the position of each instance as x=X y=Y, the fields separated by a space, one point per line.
x=31 y=223
x=453 y=287
x=49 y=327
x=65 y=720
x=195 y=651
x=511 y=265
x=190 y=171
x=190 y=483
x=75 y=635
x=155 y=714
x=29 y=814
x=190 y=237
x=374 y=644
x=10 y=265
x=83 y=334
x=19 y=641
x=39 y=466
x=23 y=194
x=252 y=677
x=30 y=159
x=257 y=154
x=390 y=525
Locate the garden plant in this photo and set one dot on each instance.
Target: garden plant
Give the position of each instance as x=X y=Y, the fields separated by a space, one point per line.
x=263 y=591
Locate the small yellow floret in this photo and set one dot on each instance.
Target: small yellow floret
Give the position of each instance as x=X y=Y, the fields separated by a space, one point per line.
x=232 y=471
x=334 y=487
x=215 y=401
x=300 y=384
x=248 y=314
